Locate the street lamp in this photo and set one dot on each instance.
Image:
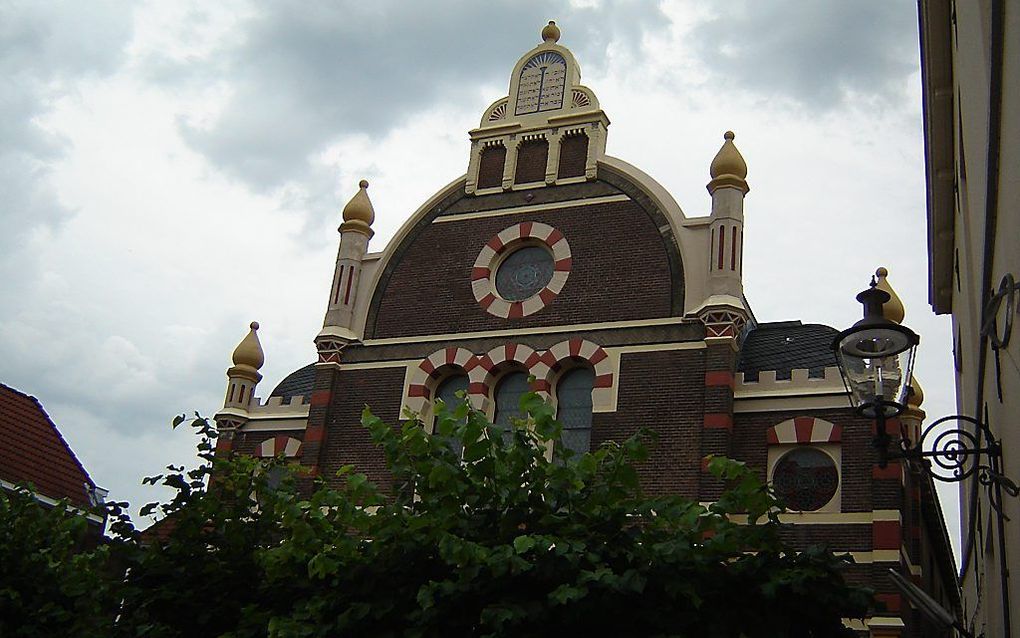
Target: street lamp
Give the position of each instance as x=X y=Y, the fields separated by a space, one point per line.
x=876 y=358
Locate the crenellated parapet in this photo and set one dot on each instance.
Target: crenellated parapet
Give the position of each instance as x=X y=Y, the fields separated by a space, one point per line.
x=272 y=407
x=801 y=390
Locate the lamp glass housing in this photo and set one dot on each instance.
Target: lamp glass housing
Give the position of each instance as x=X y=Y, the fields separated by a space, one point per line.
x=876 y=358
x=880 y=381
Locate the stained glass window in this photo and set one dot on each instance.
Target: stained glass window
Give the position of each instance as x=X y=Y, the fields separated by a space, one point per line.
x=447 y=393
x=806 y=479
x=573 y=399
x=508 y=399
x=524 y=273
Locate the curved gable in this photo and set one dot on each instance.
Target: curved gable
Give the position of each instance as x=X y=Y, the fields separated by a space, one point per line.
x=625 y=264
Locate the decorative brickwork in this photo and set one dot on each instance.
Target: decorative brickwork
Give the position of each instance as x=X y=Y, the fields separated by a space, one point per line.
x=426 y=376
x=532 y=158
x=752 y=431
x=573 y=155
x=288 y=446
x=619 y=271
x=804 y=429
x=573 y=351
x=723 y=323
x=490 y=167
x=506 y=242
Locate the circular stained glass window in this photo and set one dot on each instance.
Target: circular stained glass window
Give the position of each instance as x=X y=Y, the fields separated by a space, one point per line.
x=806 y=479
x=524 y=273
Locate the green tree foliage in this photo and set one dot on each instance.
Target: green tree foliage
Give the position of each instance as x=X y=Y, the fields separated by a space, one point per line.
x=54 y=581
x=516 y=537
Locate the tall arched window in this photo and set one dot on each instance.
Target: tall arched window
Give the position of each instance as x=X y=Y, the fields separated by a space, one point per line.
x=573 y=400
x=508 y=399
x=447 y=392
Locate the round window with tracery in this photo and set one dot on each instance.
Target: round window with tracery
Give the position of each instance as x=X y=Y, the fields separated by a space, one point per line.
x=524 y=273
x=521 y=270
x=805 y=479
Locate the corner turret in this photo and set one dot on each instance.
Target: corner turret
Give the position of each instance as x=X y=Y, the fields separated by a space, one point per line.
x=355 y=232
x=242 y=379
x=724 y=312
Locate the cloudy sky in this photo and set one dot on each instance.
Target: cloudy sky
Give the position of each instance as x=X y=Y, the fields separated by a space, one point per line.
x=172 y=171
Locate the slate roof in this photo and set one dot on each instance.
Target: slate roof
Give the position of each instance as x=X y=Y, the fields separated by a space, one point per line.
x=297 y=383
x=787 y=345
x=33 y=451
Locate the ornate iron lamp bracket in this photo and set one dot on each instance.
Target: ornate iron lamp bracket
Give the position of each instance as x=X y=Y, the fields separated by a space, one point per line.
x=955 y=454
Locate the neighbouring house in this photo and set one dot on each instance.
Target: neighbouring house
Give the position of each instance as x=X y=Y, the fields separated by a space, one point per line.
x=36 y=456
x=970 y=81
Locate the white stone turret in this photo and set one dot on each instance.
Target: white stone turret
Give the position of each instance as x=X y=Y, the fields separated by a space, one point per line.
x=726 y=231
x=724 y=312
x=242 y=379
x=355 y=231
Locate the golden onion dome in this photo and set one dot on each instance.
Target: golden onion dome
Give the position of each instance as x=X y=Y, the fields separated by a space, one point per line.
x=249 y=351
x=728 y=161
x=893 y=309
x=359 y=209
x=551 y=32
x=916 y=397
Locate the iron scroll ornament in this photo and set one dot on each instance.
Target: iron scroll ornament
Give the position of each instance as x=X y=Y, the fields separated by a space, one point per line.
x=956 y=453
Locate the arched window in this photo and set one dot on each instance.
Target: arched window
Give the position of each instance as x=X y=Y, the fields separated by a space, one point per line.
x=508 y=399
x=447 y=392
x=573 y=400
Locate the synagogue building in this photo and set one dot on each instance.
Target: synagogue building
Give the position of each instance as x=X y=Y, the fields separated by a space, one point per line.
x=554 y=267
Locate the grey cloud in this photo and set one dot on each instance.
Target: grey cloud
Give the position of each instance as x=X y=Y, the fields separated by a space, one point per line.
x=303 y=75
x=44 y=48
x=819 y=53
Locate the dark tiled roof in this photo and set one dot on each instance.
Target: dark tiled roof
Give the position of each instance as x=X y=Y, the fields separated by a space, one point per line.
x=34 y=452
x=787 y=345
x=297 y=383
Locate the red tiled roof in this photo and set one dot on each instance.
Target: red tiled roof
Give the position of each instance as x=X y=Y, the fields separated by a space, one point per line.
x=32 y=450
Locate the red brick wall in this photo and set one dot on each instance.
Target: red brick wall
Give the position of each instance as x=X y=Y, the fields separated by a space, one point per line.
x=249 y=443
x=619 y=271
x=856 y=484
x=532 y=156
x=490 y=168
x=573 y=155
x=664 y=392
x=347 y=442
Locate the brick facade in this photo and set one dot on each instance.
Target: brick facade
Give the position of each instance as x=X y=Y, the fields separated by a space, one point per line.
x=573 y=155
x=532 y=157
x=490 y=172
x=607 y=283
x=660 y=361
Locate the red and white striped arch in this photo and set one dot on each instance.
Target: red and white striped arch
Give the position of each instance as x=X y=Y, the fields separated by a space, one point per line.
x=563 y=353
x=804 y=429
x=424 y=378
x=489 y=366
x=280 y=444
x=483 y=272
x=485 y=369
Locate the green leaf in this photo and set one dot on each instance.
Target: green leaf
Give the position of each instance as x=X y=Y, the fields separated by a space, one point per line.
x=523 y=544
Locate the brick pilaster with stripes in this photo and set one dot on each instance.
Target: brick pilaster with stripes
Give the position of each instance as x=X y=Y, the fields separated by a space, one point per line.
x=326 y=379
x=720 y=365
x=887 y=536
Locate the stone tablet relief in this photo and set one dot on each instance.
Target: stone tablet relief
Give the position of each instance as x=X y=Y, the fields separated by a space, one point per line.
x=542 y=83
